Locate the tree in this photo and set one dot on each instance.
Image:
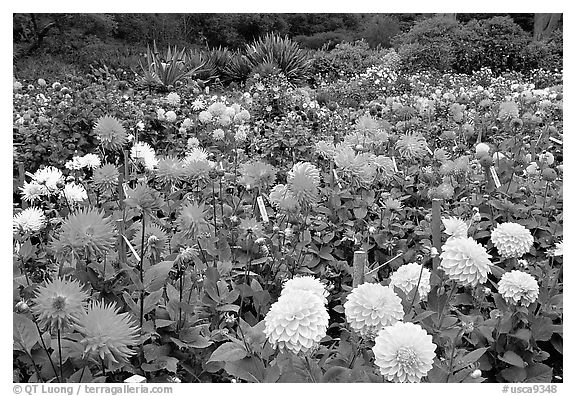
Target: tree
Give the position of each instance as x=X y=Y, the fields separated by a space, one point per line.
x=545 y=24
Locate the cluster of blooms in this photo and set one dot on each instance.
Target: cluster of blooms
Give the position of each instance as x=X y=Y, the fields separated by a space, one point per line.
x=45 y=182
x=142 y=151
x=107 y=334
x=404 y=352
x=299 y=319
x=90 y=161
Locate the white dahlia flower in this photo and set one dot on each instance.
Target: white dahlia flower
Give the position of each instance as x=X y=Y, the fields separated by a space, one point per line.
x=308 y=283
x=404 y=352
x=29 y=220
x=296 y=322
x=465 y=261
x=74 y=192
x=512 y=239
x=518 y=287
x=455 y=227
x=406 y=278
x=370 y=307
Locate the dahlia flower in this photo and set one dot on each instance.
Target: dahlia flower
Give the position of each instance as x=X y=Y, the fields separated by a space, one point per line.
x=173 y=98
x=296 y=322
x=108 y=334
x=86 y=231
x=404 y=352
x=58 y=303
x=170 y=116
x=282 y=198
x=359 y=168
x=370 y=307
x=192 y=219
x=455 y=227
x=29 y=220
x=250 y=227
x=197 y=170
x=512 y=239
x=169 y=171
x=406 y=278
x=143 y=198
x=196 y=154
x=508 y=110
x=192 y=143
x=385 y=167
x=111 y=133
x=74 y=192
x=155 y=238
x=325 y=149
x=465 y=261
x=241 y=134
x=257 y=174
x=90 y=161
x=217 y=109
x=48 y=179
x=482 y=149
x=105 y=178
x=198 y=104
x=144 y=152
x=307 y=283
x=559 y=249
x=32 y=191
x=303 y=182
x=204 y=117
x=412 y=146
x=518 y=287
x=218 y=134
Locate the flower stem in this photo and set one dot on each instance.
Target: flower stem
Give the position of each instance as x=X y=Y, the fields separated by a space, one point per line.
x=47 y=353
x=60 y=356
x=142 y=246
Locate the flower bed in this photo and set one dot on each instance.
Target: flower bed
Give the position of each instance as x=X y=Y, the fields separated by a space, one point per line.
x=407 y=229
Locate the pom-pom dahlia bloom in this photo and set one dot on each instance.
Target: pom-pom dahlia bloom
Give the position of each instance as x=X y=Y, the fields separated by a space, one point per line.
x=370 y=307
x=297 y=321
x=303 y=182
x=108 y=335
x=465 y=261
x=455 y=227
x=512 y=239
x=58 y=303
x=406 y=278
x=308 y=283
x=29 y=220
x=518 y=287
x=404 y=352
x=282 y=198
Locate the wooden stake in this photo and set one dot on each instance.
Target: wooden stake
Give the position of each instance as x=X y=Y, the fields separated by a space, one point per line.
x=360 y=260
x=436 y=233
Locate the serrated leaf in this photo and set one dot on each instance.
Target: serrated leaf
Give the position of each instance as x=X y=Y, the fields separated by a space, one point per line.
x=24 y=333
x=228 y=352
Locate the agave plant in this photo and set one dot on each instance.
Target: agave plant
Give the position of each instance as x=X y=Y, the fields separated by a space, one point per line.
x=168 y=68
x=238 y=68
x=215 y=61
x=283 y=52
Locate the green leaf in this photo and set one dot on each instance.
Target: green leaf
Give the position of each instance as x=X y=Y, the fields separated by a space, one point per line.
x=228 y=352
x=539 y=372
x=523 y=334
x=514 y=374
x=155 y=276
x=512 y=358
x=542 y=328
x=334 y=374
x=470 y=358
x=151 y=301
x=250 y=369
x=24 y=333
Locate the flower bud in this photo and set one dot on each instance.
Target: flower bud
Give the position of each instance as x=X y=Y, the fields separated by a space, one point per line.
x=549 y=174
x=476 y=374
x=21 y=307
